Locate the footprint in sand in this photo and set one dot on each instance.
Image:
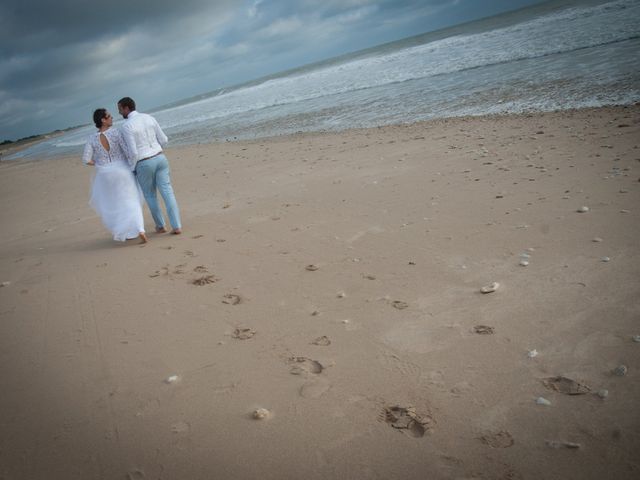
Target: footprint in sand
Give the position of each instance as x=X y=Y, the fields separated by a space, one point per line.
x=483 y=330
x=163 y=271
x=200 y=269
x=406 y=419
x=399 y=305
x=231 y=299
x=315 y=388
x=566 y=385
x=243 y=333
x=205 y=280
x=501 y=439
x=322 y=341
x=179 y=269
x=304 y=365
x=180 y=427
x=136 y=474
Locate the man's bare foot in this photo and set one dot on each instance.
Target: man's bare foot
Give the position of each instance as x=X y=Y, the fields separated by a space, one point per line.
x=177 y=231
x=143 y=237
x=161 y=230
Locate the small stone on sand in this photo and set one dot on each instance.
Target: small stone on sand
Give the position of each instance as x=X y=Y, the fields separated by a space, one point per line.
x=583 y=209
x=597 y=239
x=524 y=263
x=620 y=370
x=261 y=413
x=543 y=401
x=603 y=393
x=605 y=259
x=5 y=284
x=171 y=379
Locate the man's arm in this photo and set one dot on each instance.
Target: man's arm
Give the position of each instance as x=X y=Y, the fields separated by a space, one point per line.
x=131 y=150
x=160 y=136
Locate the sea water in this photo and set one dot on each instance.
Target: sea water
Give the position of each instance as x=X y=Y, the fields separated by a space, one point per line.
x=557 y=55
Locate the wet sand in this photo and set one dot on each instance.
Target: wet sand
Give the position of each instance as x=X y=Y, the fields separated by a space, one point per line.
x=334 y=280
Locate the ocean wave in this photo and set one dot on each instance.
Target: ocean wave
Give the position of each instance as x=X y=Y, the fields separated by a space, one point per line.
x=551 y=34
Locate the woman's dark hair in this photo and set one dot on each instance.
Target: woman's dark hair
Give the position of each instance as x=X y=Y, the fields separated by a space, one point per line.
x=98 y=115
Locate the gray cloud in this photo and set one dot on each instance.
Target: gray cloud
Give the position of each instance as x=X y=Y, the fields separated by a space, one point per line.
x=60 y=60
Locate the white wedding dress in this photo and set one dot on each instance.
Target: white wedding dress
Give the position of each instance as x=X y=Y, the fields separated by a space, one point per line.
x=115 y=194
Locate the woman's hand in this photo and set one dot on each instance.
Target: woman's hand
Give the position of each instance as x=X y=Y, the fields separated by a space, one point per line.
x=91 y=162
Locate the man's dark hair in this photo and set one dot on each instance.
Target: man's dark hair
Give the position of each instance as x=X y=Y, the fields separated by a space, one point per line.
x=127 y=102
x=98 y=115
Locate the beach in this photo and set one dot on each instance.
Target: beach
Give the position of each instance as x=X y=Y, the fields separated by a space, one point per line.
x=334 y=280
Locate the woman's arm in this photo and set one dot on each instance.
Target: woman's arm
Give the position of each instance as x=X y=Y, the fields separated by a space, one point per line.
x=87 y=155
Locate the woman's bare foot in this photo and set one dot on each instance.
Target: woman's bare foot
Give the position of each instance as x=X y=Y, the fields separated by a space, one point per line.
x=161 y=230
x=177 y=231
x=143 y=237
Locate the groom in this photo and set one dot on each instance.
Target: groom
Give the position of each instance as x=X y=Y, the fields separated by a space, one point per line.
x=144 y=138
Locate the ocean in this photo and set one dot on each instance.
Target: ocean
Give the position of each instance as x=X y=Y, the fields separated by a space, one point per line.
x=561 y=54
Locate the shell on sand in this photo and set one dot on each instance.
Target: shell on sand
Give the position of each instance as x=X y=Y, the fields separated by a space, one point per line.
x=490 y=288
x=261 y=413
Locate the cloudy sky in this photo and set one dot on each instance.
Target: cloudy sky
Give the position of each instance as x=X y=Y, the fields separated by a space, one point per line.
x=60 y=60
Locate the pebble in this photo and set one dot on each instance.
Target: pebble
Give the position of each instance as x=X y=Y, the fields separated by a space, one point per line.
x=524 y=263
x=261 y=413
x=490 y=288
x=171 y=379
x=605 y=259
x=624 y=211
x=543 y=401
x=620 y=370
x=636 y=338
x=604 y=393
x=341 y=295
x=532 y=353
x=525 y=255
x=597 y=240
x=583 y=209
x=5 y=284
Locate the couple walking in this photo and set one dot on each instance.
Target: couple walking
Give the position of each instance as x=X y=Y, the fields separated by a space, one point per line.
x=116 y=153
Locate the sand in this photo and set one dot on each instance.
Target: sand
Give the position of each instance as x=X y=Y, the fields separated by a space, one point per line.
x=333 y=280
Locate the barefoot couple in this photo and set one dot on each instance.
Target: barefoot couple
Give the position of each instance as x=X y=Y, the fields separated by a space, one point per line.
x=116 y=153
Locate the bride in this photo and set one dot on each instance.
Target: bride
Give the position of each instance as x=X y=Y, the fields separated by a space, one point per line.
x=114 y=192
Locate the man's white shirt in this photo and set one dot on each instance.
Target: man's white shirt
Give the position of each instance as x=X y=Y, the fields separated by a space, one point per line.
x=143 y=137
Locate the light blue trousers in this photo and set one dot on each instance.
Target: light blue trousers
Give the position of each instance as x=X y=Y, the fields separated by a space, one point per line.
x=153 y=175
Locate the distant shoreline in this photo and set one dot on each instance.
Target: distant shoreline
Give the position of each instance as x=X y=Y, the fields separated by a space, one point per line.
x=14 y=147
x=7 y=150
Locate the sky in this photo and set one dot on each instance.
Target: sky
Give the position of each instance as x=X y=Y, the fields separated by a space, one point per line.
x=61 y=60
